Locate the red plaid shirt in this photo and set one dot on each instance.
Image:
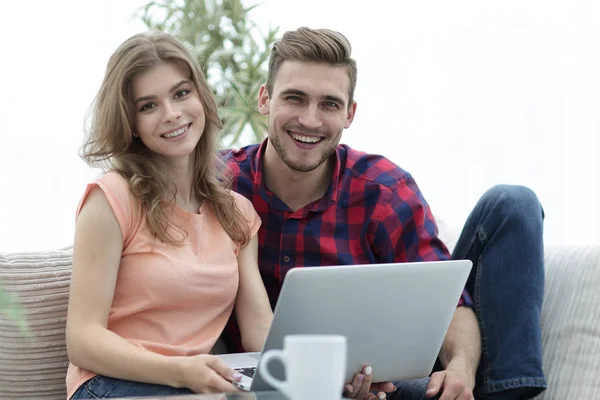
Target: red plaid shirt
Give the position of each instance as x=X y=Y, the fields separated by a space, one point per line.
x=372 y=212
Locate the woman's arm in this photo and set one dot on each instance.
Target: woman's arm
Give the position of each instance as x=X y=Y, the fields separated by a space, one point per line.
x=252 y=307
x=96 y=257
x=97 y=254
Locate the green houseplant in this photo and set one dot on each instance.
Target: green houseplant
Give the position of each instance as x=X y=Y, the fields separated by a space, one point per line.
x=232 y=51
x=10 y=309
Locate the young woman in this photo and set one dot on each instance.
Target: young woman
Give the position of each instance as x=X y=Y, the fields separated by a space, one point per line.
x=163 y=252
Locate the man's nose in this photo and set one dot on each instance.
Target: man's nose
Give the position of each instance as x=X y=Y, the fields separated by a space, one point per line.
x=310 y=117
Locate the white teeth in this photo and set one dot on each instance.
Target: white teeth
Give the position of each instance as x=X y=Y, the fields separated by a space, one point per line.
x=175 y=133
x=305 y=139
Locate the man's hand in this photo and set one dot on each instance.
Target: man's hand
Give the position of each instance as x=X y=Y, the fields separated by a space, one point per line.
x=362 y=387
x=455 y=383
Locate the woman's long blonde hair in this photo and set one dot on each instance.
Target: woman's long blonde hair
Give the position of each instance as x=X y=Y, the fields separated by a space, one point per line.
x=110 y=144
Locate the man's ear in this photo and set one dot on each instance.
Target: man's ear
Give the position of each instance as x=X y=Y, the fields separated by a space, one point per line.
x=263 y=100
x=351 y=113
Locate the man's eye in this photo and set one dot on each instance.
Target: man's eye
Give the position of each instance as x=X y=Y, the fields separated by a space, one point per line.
x=182 y=93
x=294 y=98
x=147 y=106
x=331 y=104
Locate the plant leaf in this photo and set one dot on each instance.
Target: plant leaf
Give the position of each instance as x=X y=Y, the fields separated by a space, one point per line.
x=10 y=308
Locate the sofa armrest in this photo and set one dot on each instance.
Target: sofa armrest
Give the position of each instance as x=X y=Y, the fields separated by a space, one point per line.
x=570 y=322
x=35 y=367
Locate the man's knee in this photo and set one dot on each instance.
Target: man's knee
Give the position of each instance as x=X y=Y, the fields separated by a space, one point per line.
x=514 y=201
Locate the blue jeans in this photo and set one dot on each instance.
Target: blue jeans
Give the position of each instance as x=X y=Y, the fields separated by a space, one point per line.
x=503 y=239
x=103 y=387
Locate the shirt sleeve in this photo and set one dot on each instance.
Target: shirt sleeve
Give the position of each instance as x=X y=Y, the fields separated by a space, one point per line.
x=121 y=200
x=405 y=230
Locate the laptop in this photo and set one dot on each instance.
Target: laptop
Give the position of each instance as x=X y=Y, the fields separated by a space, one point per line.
x=394 y=316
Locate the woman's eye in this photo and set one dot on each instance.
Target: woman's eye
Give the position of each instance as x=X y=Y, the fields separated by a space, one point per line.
x=181 y=93
x=147 y=106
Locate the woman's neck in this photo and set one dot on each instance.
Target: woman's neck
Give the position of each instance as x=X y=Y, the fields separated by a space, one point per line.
x=180 y=173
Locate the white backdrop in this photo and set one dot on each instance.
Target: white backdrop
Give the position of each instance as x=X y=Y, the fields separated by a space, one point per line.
x=463 y=94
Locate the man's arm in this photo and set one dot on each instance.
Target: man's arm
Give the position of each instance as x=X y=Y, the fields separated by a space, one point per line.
x=460 y=354
x=403 y=229
x=407 y=233
x=463 y=339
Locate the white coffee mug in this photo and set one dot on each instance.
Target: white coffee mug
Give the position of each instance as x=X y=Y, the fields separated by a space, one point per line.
x=315 y=366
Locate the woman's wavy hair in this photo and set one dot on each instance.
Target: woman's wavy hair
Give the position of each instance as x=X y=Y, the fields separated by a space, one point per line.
x=110 y=144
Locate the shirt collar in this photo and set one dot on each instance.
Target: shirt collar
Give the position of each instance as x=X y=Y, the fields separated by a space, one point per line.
x=258 y=164
x=331 y=195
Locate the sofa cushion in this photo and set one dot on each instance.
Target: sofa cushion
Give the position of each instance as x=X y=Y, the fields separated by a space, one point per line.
x=34 y=367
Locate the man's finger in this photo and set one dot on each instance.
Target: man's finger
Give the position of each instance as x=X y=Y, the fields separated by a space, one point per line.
x=386 y=387
x=453 y=389
x=435 y=384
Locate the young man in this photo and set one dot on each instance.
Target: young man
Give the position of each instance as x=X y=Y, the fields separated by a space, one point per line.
x=323 y=204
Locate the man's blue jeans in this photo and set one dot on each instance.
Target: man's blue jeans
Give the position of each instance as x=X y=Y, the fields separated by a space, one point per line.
x=503 y=239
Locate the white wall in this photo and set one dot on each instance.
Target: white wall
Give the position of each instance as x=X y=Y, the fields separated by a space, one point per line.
x=462 y=94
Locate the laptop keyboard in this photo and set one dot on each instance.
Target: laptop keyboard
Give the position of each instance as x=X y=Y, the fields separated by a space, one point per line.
x=247 y=371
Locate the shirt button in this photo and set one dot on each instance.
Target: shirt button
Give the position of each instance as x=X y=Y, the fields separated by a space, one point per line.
x=286 y=259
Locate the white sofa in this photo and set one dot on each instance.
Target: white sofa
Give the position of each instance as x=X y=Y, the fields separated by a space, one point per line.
x=34 y=367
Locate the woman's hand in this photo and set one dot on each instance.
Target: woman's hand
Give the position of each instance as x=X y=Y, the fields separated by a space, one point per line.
x=362 y=386
x=206 y=373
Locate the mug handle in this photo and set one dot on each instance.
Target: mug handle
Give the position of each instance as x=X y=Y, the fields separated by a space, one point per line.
x=263 y=369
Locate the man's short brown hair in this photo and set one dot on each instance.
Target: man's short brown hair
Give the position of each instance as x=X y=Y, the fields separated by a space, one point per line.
x=316 y=45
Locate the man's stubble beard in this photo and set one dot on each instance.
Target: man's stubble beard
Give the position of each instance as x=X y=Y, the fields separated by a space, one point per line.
x=274 y=139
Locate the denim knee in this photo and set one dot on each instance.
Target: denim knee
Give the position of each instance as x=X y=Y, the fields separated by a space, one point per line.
x=517 y=203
